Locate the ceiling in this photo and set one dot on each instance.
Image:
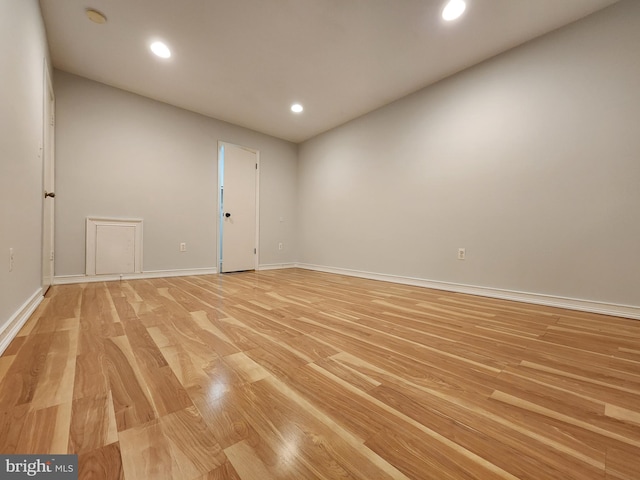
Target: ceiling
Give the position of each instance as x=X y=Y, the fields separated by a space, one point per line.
x=247 y=61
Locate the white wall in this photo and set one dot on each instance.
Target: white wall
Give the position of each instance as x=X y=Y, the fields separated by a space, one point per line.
x=531 y=161
x=23 y=49
x=125 y=156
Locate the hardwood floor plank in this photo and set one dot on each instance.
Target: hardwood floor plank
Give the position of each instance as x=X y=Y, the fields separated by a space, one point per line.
x=91 y=375
x=45 y=430
x=497 y=443
x=64 y=305
x=11 y=423
x=623 y=464
x=348 y=374
x=93 y=424
x=165 y=391
x=247 y=463
x=5 y=363
x=273 y=342
x=602 y=378
x=19 y=384
x=626 y=435
x=192 y=439
x=242 y=339
x=102 y=463
x=217 y=405
x=341 y=401
x=224 y=472
x=187 y=372
x=380 y=410
x=184 y=333
x=178 y=445
x=532 y=426
x=245 y=368
x=212 y=335
x=30 y=324
x=287 y=422
x=58 y=374
x=558 y=399
x=12 y=349
x=414 y=457
x=623 y=414
x=131 y=400
x=597 y=391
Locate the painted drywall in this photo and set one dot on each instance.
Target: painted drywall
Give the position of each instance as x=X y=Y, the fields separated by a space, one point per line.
x=125 y=156
x=530 y=161
x=23 y=50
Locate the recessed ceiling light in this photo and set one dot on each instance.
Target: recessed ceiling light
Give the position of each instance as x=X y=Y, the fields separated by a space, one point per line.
x=160 y=49
x=95 y=16
x=453 y=9
x=296 y=108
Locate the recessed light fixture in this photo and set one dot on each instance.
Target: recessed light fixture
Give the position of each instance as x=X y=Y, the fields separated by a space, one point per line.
x=296 y=108
x=95 y=16
x=453 y=10
x=160 y=49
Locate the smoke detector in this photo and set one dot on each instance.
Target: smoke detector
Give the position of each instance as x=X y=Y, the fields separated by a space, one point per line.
x=95 y=16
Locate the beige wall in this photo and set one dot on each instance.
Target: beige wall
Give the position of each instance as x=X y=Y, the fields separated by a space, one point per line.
x=23 y=49
x=531 y=161
x=125 y=156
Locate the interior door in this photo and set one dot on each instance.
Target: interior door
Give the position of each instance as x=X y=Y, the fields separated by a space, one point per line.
x=48 y=162
x=239 y=243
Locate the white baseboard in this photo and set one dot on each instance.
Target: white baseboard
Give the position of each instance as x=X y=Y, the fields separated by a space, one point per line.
x=18 y=319
x=276 y=266
x=627 y=311
x=603 y=308
x=69 y=279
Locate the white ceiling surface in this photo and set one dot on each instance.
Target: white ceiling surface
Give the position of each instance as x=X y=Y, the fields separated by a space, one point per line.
x=247 y=61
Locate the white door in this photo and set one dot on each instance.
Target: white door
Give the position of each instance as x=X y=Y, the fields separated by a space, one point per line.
x=48 y=185
x=238 y=183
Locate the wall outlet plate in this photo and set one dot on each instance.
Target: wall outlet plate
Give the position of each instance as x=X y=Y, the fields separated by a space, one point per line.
x=461 y=253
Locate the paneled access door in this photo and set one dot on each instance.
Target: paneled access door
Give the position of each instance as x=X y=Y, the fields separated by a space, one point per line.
x=238 y=174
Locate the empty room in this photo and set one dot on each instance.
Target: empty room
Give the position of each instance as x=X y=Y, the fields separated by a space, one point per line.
x=320 y=239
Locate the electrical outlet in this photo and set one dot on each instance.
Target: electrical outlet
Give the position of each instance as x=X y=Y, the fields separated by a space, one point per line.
x=280 y=246
x=183 y=247
x=11 y=259
x=461 y=253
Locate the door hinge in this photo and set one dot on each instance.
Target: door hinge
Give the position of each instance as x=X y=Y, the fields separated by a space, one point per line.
x=254 y=251
x=256 y=166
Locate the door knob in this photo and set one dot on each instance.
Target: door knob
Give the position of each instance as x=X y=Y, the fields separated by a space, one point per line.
x=49 y=194
x=227 y=214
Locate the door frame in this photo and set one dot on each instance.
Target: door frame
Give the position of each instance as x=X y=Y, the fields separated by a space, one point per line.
x=219 y=173
x=48 y=164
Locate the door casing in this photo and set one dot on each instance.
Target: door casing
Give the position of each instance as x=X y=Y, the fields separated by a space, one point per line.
x=48 y=182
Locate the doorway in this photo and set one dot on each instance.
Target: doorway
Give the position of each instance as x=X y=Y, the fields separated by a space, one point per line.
x=238 y=235
x=48 y=182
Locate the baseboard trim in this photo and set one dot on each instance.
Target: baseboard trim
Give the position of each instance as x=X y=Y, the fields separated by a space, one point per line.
x=276 y=266
x=626 y=311
x=70 y=279
x=18 y=319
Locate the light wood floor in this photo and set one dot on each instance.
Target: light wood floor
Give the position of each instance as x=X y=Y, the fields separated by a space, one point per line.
x=294 y=374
